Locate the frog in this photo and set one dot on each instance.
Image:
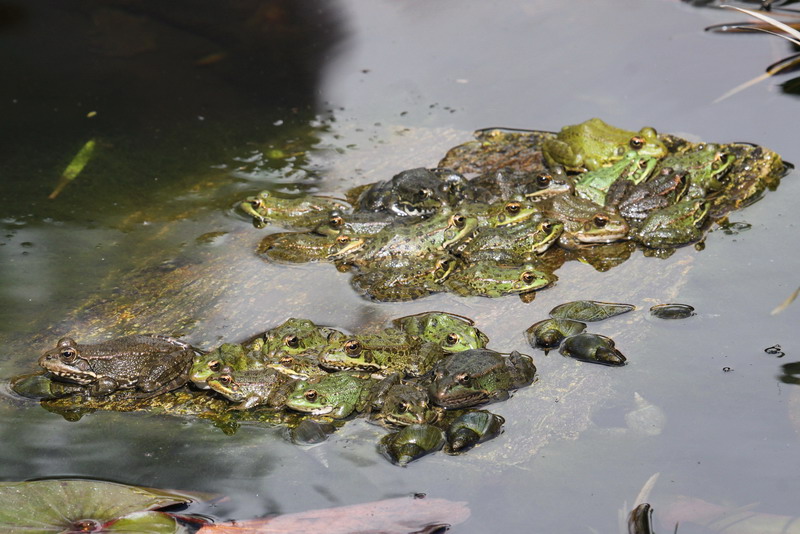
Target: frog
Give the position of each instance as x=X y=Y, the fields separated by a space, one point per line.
x=355 y=224
x=633 y=167
x=304 y=211
x=390 y=350
x=550 y=184
x=586 y=223
x=147 y=364
x=594 y=144
x=635 y=201
x=513 y=245
x=296 y=247
x=299 y=366
x=502 y=214
x=396 y=402
x=508 y=185
x=294 y=337
x=704 y=165
x=235 y=356
x=453 y=333
x=478 y=376
x=410 y=443
x=252 y=388
x=414 y=192
x=403 y=244
x=490 y=279
x=674 y=226
x=399 y=284
x=336 y=395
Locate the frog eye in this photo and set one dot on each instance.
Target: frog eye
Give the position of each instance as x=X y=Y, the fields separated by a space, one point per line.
x=310 y=395
x=458 y=220
x=352 y=347
x=636 y=142
x=527 y=277
x=463 y=379
x=426 y=193
x=513 y=208
x=257 y=203
x=214 y=365
x=343 y=239
x=335 y=221
x=546 y=226
x=451 y=338
x=68 y=355
x=404 y=407
x=286 y=360
x=600 y=220
x=225 y=379
x=291 y=341
x=543 y=180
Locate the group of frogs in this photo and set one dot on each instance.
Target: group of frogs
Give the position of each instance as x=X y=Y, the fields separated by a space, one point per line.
x=501 y=213
x=422 y=377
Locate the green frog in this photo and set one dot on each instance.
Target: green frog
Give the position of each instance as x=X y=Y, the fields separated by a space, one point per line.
x=299 y=366
x=390 y=350
x=234 y=356
x=295 y=336
x=704 y=166
x=513 y=245
x=149 y=364
x=396 y=402
x=586 y=223
x=402 y=244
x=452 y=332
x=252 y=388
x=592 y=348
x=635 y=201
x=478 y=376
x=471 y=428
x=336 y=395
x=297 y=247
x=674 y=226
x=593 y=144
x=490 y=279
x=301 y=212
x=358 y=224
x=405 y=283
x=502 y=214
x=633 y=167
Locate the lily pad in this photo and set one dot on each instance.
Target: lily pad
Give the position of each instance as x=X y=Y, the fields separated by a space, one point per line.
x=81 y=505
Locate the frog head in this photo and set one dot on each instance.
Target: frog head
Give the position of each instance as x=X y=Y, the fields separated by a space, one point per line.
x=66 y=362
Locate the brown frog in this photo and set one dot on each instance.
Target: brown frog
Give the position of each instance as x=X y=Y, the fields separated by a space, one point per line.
x=149 y=364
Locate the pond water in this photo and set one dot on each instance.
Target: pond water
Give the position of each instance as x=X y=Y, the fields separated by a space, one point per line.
x=194 y=107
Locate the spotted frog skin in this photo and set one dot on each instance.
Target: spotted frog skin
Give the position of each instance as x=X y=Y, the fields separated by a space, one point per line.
x=147 y=364
x=295 y=336
x=395 y=402
x=479 y=376
x=633 y=167
x=593 y=144
x=677 y=225
x=517 y=244
x=234 y=356
x=704 y=166
x=586 y=223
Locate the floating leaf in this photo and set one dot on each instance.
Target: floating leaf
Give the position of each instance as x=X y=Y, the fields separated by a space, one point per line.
x=69 y=505
x=75 y=167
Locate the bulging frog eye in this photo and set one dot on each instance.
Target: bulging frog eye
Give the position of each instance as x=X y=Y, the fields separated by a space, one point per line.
x=310 y=395
x=463 y=379
x=451 y=338
x=225 y=379
x=343 y=239
x=426 y=193
x=527 y=277
x=215 y=365
x=458 y=220
x=68 y=355
x=636 y=142
x=543 y=180
x=257 y=203
x=546 y=226
x=352 y=347
x=404 y=407
x=512 y=208
x=600 y=220
x=336 y=221
x=291 y=341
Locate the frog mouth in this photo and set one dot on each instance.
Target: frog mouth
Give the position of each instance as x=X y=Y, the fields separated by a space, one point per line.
x=321 y=411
